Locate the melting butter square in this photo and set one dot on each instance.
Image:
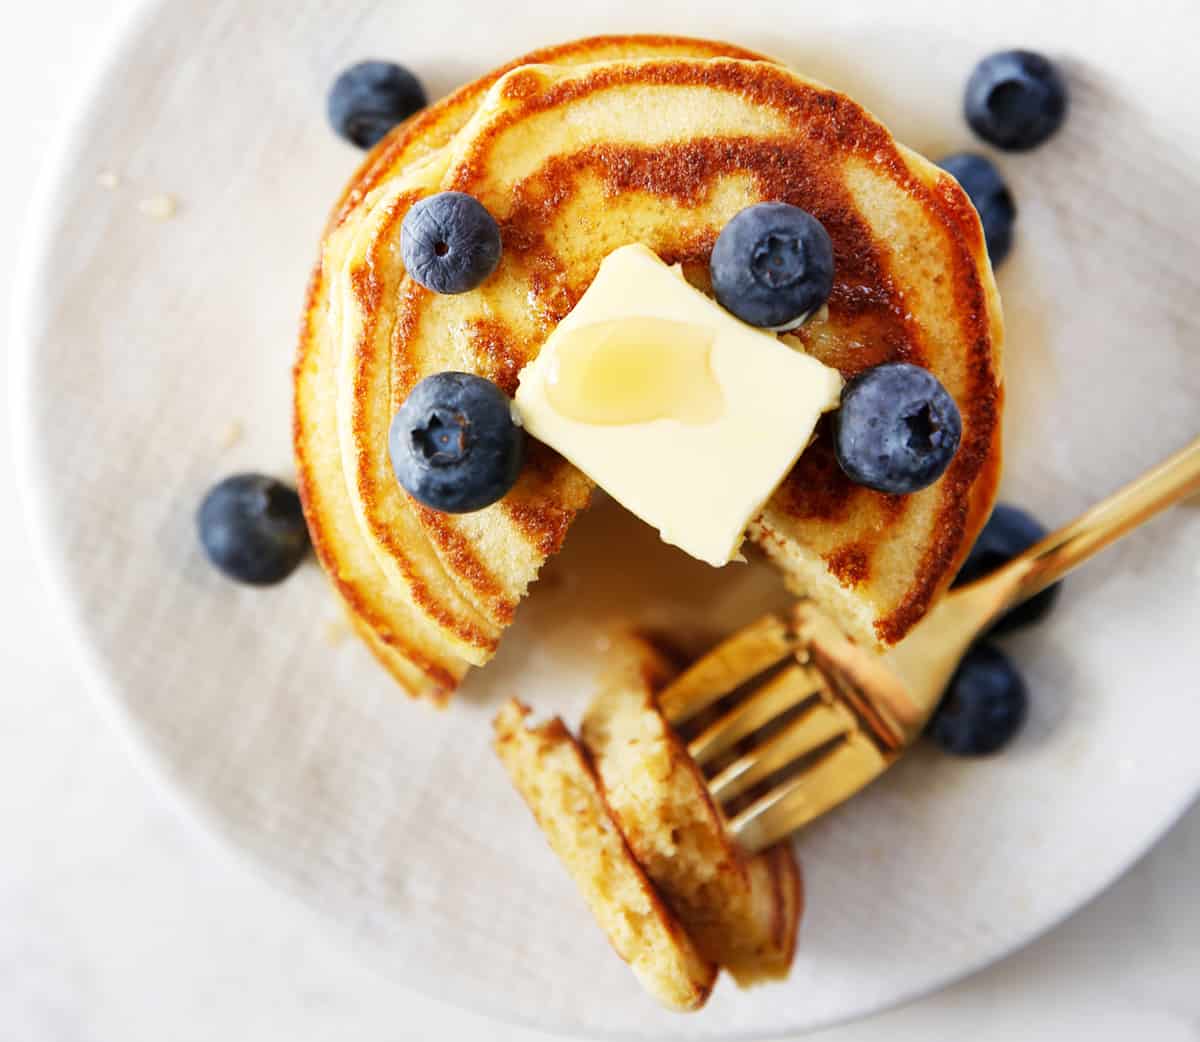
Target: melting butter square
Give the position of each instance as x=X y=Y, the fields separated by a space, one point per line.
x=683 y=413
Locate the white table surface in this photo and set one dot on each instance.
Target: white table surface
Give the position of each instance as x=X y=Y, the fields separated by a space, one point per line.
x=119 y=922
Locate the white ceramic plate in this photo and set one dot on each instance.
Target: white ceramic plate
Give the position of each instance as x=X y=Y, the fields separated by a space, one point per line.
x=143 y=341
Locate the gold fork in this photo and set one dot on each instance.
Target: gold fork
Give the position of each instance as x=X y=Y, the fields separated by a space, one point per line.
x=826 y=717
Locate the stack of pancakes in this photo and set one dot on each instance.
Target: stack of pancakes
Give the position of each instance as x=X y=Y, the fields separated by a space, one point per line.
x=577 y=150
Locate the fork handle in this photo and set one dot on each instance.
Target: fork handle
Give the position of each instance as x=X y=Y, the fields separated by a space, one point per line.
x=1044 y=563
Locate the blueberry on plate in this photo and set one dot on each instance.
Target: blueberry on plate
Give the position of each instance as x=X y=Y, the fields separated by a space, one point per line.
x=454 y=445
x=449 y=242
x=1015 y=99
x=772 y=266
x=370 y=98
x=989 y=195
x=897 y=429
x=984 y=706
x=252 y=528
x=1008 y=532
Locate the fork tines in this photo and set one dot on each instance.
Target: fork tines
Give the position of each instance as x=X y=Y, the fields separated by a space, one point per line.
x=776 y=718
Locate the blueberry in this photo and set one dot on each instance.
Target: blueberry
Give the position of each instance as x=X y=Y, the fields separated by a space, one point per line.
x=897 y=429
x=772 y=266
x=1015 y=99
x=252 y=529
x=454 y=444
x=1008 y=532
x=370 y=98
x=449 y=242
x=990 y=196
x=984 y=706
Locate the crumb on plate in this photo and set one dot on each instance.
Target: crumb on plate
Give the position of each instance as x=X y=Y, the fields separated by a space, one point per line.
x=159 y=207
x=337 y=630
x=232 y=434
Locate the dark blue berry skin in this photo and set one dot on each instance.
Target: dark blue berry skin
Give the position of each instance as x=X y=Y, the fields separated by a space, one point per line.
x=1015 y=100
x=370 y=98
x=984 y=706
x=772 y=266
x=897 y=429
x=252 y=528
x=989 y=194
x=1009 y=531
x=449 y=242
x=454 y=445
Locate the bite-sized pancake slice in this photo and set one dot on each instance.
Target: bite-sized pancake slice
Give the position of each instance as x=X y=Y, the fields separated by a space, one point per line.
x=364 y=527
x=742 y=911
x=575 y=162
x=777 y=904
x=552 y=774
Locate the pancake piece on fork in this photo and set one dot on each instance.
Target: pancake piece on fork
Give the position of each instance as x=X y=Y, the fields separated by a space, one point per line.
x=626 y=811
x=743 y=911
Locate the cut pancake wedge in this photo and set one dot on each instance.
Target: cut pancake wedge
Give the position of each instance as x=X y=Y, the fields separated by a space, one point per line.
x=627 y=812
x=742 y=911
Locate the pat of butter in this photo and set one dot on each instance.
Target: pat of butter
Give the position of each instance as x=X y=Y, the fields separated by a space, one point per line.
x=682 y=413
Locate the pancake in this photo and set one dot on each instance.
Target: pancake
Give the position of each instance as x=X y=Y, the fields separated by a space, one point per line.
x=574 y=162
x=363 y=527
x=742 y=912
x=552 y=774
